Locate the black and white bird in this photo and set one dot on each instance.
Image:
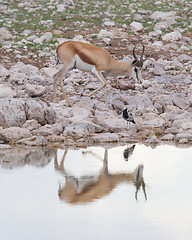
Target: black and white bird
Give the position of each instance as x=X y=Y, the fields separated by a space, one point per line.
x=128 y=117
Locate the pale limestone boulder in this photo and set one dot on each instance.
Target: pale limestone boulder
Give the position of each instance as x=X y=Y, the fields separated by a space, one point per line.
x=6 y=91
x=34 y=141
x=49 y=72
x=4 y=33
x=152 y=140
x=49 y=129
x=110 y=121
x=109 y=23
x=157 y=44
x=146 y=84
x=25 y=69
x=60 y=8
x=40 y=111
x=18 y=78
x=183 y=141
x=34 y=90
x=158 y=15
x=12 y=112
x=3 y=72
x=184 y=135
x=157 y=122
x=161 y=102
x=155 y=35
x=38 y=79
x=105 y=137
x=31 y=125
x=137 y=100
x=79 y=114
x=186 y=125
x=75 y=131
x=180 y=101
x=158 y=71
x=46 y=37
x=4 y=147
x=149 y=116
x=173 y=36
x=172 y=130
x=136 y=26
x=105 y=34
x=82 y=129
x=14 y=134
x=168 y=137
x=117 y=105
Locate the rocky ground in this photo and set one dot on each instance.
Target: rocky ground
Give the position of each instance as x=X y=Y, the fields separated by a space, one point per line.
x=161 y=106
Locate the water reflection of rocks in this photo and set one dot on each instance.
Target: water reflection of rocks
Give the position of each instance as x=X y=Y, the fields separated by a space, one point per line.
x=19 y=157
x=85 y=189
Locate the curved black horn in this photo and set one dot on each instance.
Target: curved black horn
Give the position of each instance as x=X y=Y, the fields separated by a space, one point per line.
x=134 y=55
x=141 y=59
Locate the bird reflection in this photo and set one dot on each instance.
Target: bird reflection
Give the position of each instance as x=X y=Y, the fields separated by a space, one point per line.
x=128 y=152
x=86 y=189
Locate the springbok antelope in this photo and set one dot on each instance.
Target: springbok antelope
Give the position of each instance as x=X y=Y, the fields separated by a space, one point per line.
x=89 y=58
x=88 y=188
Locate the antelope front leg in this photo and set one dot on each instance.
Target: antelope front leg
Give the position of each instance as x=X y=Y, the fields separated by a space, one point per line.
x=100 y=76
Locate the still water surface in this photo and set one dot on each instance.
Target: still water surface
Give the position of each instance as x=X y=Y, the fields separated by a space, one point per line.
x=96 y=193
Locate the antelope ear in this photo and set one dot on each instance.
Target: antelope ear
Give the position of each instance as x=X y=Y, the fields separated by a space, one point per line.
x=134 y=63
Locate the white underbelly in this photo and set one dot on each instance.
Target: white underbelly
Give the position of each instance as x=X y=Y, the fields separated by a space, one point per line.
x=85 y=67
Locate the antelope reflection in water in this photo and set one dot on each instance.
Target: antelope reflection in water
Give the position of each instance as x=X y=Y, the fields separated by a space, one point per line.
x=88 y=188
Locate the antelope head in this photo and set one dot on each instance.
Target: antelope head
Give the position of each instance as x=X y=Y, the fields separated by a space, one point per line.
x=137 y=66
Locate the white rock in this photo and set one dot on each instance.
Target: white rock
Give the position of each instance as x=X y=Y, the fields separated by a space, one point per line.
x=183 y=141
x=109 y=23
x=110 y=121
x=4 y=33
x=32 y=38
x=26 y=32
x=60 y=8
x=31 y=124
x=6 y=92
x=173 y=36
x=158 y=71
x=146 y=84
x=105 y=34
x=157 y=44
x=180 y=101
x=3 y=72
x=152 y=140
x=38 y=79
x=158 y=15
x=34 y=141
x=154 y=123
x=186 y=125
x=75 y=131
x=40 y=111
x=49 y=71
x=49 y=129
x=46 y=37
x=136 y=26
x=184 y=135
x=12 y=112
x=13 y=134
x=105 y=137
x=168 y=137
x=155 y=34
x=34 y=90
